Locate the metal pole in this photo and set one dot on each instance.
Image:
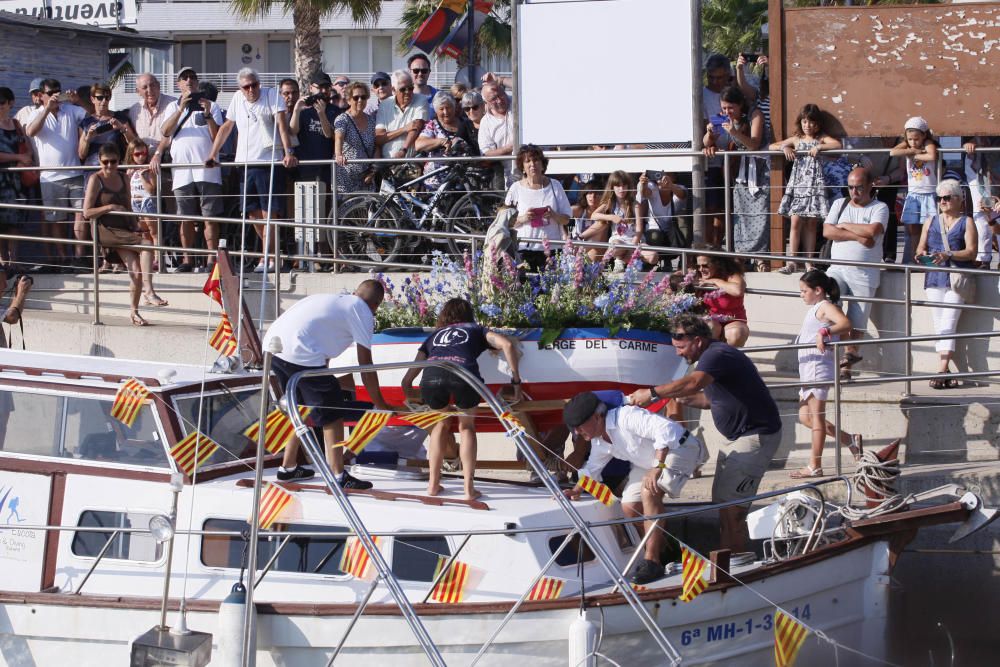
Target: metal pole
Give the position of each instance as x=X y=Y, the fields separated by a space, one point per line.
x=333 y=215
x=249 y=652
x=444 y=569
x=515 y=73
x=471 y=27
x=271 y=561
x=836 y=408
x=728 y=203
x=161 y=267
x=697 y=130
x=100 y=556
x=907 y=329
x=354 y=620
x=97 y=271
x=176 y=483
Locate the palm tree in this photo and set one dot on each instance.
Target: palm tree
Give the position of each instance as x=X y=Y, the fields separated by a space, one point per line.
x=306 y=15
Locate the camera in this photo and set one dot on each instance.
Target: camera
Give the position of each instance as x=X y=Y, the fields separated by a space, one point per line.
x=312 y=99
x=654 y=176
x=101 y=128
x=194 y=102
x=988 y=201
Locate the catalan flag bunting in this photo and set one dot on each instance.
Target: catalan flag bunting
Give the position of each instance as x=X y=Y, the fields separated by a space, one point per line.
x=547 y=588
x=692 y=571
x=213 y=285
x=366 y=429
x=638 y=588
x=451 y=587
x=600 y=491
x=223 y=339
x=425 y=419
x=278 y=429
x=193 y=451
x=273 y=501
x=355 y=561
x=128 y=399
x=789 y=635
x=515 y=424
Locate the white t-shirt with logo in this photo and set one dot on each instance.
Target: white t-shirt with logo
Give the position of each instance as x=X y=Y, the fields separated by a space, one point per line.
x=192 y=144
x=58 y=140
x=875 y=213
x=320 y=327
x=259 y=137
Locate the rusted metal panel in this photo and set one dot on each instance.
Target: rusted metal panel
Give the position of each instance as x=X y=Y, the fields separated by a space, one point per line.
x=873 y=67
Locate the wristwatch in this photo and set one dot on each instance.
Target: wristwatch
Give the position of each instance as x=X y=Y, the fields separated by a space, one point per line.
x=652 y=393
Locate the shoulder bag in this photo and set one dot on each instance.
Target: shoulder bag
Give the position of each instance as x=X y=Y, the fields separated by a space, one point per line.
x=962 y=284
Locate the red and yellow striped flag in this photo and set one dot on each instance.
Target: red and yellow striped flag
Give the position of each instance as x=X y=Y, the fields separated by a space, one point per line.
x=367 y=428
x=789 y=635
x=278 y=429
x=638 y=588
x=451 y=587
x=128 y=399
x=193 y=451
x=272 y=502
x=355 y=561
x=213 y=285
x=547 y=588
x=223 y=339
x=515 y=424
x=692 y=569
x=425 y=419
x=600 y=491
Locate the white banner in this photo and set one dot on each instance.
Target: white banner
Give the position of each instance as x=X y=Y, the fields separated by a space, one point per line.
x=102 y=13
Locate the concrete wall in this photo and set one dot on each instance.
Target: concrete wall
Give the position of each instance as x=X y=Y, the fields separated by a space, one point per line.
x=74 y=58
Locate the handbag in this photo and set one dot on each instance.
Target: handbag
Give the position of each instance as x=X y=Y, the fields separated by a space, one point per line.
x=29 y=179
x=962 y=284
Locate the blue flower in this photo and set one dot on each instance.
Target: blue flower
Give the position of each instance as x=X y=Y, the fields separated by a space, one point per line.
x=490 y=309
x=602 y=301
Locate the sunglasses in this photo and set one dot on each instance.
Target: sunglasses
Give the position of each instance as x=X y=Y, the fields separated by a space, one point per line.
x=142 y=152
x=51 y=92
x=109 y=162
x=251 y=86
x=359 y=98
x=680 y=335
x=943 y=198
x=380 y=83
x=405 y=89
x=341 y=83
x=421 y=70
x=474 y=106
x=102 y=98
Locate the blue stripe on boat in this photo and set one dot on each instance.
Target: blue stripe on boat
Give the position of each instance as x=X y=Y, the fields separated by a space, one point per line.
x=410 y=335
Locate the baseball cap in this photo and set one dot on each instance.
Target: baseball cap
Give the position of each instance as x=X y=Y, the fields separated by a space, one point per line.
x=36 y=84
x=185 y=69
x=380 y=76
x=580 y=408
x=321 y=79
x=916 y=123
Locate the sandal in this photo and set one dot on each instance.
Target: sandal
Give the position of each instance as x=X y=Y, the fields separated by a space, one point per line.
x=154 y=300
x=137 y=320
x=857 y=446
x=788 y=269
x=850 y=359
x=807 y=473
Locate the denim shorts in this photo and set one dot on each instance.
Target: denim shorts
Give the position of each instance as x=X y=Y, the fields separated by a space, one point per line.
x=255 y=180
x=917 y=208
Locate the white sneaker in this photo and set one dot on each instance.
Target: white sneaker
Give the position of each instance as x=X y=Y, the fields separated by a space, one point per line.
x=260 y=268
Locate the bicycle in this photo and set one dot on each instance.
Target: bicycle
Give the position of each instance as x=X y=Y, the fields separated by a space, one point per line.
x=455 y=205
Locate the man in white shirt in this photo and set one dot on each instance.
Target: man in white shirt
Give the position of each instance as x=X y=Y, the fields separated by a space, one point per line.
x=856 y=227
x=400 y=121
x=55 y=128
x=189 y=128
x=260 y=117
x=496 y=130
x=148 y=113
x=313 y=331
x=663 y=455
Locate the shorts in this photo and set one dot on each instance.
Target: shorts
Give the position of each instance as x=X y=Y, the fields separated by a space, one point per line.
x=715 y=194
x=742 y=465
x=681 y=462
x=856 y=282
x=815 y=367
x=199 y=198
x=254 y=184
x=439 y=388
x=917 y=208
x=66 y=192
x=323 y=394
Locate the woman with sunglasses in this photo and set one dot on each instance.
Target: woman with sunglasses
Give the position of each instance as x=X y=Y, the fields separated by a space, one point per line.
x=107 y=192
x=103 y=126
x=447 y=134
x=354 y=139
x=474 y=108
x=947 y=239
x=723 y=287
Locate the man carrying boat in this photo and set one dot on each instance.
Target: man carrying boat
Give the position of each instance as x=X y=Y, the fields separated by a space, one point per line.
x=727 y=383
x=313 y=331
x=663 y=455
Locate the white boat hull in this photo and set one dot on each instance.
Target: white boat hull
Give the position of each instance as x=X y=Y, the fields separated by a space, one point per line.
x=844 y=595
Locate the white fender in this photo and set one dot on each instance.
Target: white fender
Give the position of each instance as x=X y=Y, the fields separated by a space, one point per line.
x=230 y=630
x=583 y=633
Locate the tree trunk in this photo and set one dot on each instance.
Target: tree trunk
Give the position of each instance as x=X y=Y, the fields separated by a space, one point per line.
x=308 y=43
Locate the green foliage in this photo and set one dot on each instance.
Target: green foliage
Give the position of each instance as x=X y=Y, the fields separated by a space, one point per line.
x=493 y=38
x=363 y=12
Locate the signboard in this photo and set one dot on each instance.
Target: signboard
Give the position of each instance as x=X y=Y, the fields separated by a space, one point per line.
x=101 y=13
x=24 y=501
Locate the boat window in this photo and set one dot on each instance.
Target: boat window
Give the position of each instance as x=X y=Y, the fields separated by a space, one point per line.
x=225 y=415
x=575 y=552
x=77 y=427
x=416 y=558
x=312 y=555
x=126 y=546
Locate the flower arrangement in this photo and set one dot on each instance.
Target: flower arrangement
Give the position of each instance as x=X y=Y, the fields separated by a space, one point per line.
x=571 y=291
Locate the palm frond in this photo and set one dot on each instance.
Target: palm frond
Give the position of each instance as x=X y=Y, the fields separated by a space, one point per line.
x=363 y=12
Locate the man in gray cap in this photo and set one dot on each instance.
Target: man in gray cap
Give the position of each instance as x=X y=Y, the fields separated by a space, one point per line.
x=381 y=90
x=35 y=93
x=662 y=452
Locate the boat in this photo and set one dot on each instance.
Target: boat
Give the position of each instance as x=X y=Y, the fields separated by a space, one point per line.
x=103 y=537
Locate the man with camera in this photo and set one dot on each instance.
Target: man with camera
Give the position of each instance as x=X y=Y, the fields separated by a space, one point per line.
x=189 y=127
x=311 y=120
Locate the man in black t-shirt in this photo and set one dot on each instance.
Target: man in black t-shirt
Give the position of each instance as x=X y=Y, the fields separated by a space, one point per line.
x=311 y=120
x=727 y=383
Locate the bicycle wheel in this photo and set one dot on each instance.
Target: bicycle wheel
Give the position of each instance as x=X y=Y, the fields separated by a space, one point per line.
x=370 y=246
x=471 y=214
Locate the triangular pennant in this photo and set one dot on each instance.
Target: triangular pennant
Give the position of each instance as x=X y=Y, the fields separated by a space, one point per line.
x=193 y=451
x=789 y=635
x=355 y=561
x=128 y=399
x=450 y=588
x=547 y=588
x=278 y=429
x=425 y=419
x=365 y=430
x=272 y=502
x=222 y=339
x=600 y=491
x=213 y=285
x=692 y=575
